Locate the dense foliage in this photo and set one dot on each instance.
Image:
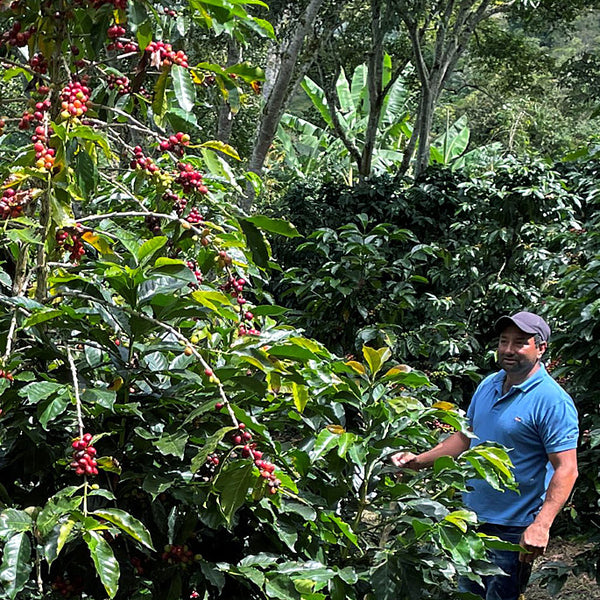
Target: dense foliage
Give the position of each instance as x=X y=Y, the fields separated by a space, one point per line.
x=427 y=267
x=166 y=433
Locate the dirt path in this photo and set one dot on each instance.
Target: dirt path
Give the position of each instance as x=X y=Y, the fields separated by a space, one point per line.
x=576 y=588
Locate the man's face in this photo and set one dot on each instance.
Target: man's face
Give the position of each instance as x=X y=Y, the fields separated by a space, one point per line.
x=517 y=352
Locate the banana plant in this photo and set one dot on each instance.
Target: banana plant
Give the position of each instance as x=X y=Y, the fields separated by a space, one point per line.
x=340 y=139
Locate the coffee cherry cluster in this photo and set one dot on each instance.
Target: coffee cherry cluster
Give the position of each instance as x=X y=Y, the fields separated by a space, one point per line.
x=162 y=54
x=153 y=224
x=267 y=471
x=247 y=329
x=38 y=63
x=223 y=260
x=193 y=266
x=441 y=426
x=194 y=216
x=74 y=100
x=2 y=125
x=266 y=468
x=70 y=240
x=67 y=587
x=116 y=31
x=176 y=143
x=121 y=84
x=241 y=436
x=35 y=113
x=11 y=204
x=174 y=554
x=6 y=375
x=234 y=286
x=44 y=156
x=15 y=37
x=190 y=179
x=119 y=42
x=83 y=461
x=178 y=202
x=209 y=468
x=142 y=162
x=169 y=12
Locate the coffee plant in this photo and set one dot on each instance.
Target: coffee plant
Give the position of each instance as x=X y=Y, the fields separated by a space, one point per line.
x=166 y=433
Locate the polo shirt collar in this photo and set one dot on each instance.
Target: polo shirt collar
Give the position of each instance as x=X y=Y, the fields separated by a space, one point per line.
x=526 y=385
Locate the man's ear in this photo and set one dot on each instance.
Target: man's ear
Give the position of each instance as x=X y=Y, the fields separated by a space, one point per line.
x=543 y=347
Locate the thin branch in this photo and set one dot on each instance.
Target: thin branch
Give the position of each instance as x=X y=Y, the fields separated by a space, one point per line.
x=76 y=390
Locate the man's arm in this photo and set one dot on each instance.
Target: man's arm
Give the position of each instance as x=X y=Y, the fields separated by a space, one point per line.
x=535 y=537
x=453 y=445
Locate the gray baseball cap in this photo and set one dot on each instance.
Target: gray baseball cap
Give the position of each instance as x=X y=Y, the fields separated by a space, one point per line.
x=525 y=321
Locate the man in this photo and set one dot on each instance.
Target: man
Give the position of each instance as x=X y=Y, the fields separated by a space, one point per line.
x=524 y=409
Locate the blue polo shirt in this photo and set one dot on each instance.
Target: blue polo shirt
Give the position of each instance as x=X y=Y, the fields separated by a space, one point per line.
x=532 y=420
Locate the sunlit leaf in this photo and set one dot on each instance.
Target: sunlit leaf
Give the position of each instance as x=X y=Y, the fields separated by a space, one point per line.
x=104 y=560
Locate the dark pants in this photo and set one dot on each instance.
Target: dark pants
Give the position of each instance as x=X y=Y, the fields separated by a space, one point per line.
x=501 y=587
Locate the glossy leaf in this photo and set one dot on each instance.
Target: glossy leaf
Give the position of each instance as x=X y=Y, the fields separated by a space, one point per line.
x=233 y=485
x=16 y=566
x=185 y=93
x=127 y=523
x=104 y=560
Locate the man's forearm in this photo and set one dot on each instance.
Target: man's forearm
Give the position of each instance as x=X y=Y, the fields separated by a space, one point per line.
x=453 y=445
x=535 y=537
x=559 y=490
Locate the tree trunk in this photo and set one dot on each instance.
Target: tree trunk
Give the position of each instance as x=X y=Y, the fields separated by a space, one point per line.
x=455 y=25
x=279 y=93
x=375 y=84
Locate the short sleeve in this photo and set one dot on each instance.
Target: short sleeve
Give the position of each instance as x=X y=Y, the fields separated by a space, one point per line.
x=559 y=425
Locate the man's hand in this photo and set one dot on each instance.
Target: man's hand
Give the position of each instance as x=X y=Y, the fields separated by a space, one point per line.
x=405 y=460
x=535 y=539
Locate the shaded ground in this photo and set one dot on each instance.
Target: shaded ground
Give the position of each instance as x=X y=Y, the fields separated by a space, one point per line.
x=561 y=552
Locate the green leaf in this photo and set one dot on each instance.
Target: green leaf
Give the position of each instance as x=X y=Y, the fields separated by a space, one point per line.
x=342 y=526
x=317 y=97
x=85 y=132
x=14 y=521
x=130 y=525
x=269 y=310
x=184 y=89
x=39 y=390
x=221 y=147
x=279 y=226
x=376 y=358
x=42 y=317
x=55 y=408
x=209 y=447
x=23 y=235
x=233 y=484
x=87 y=173
x=325 y=441
x=160 y=103
x=217 y=302
x=256 y=243
x=301 y=396
x=64 y=533
x=106 y=565
x=149 y=247
x=172 y=443
x=16 y=564
x=144 y=33
x=100 y=396
x=247 y=72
